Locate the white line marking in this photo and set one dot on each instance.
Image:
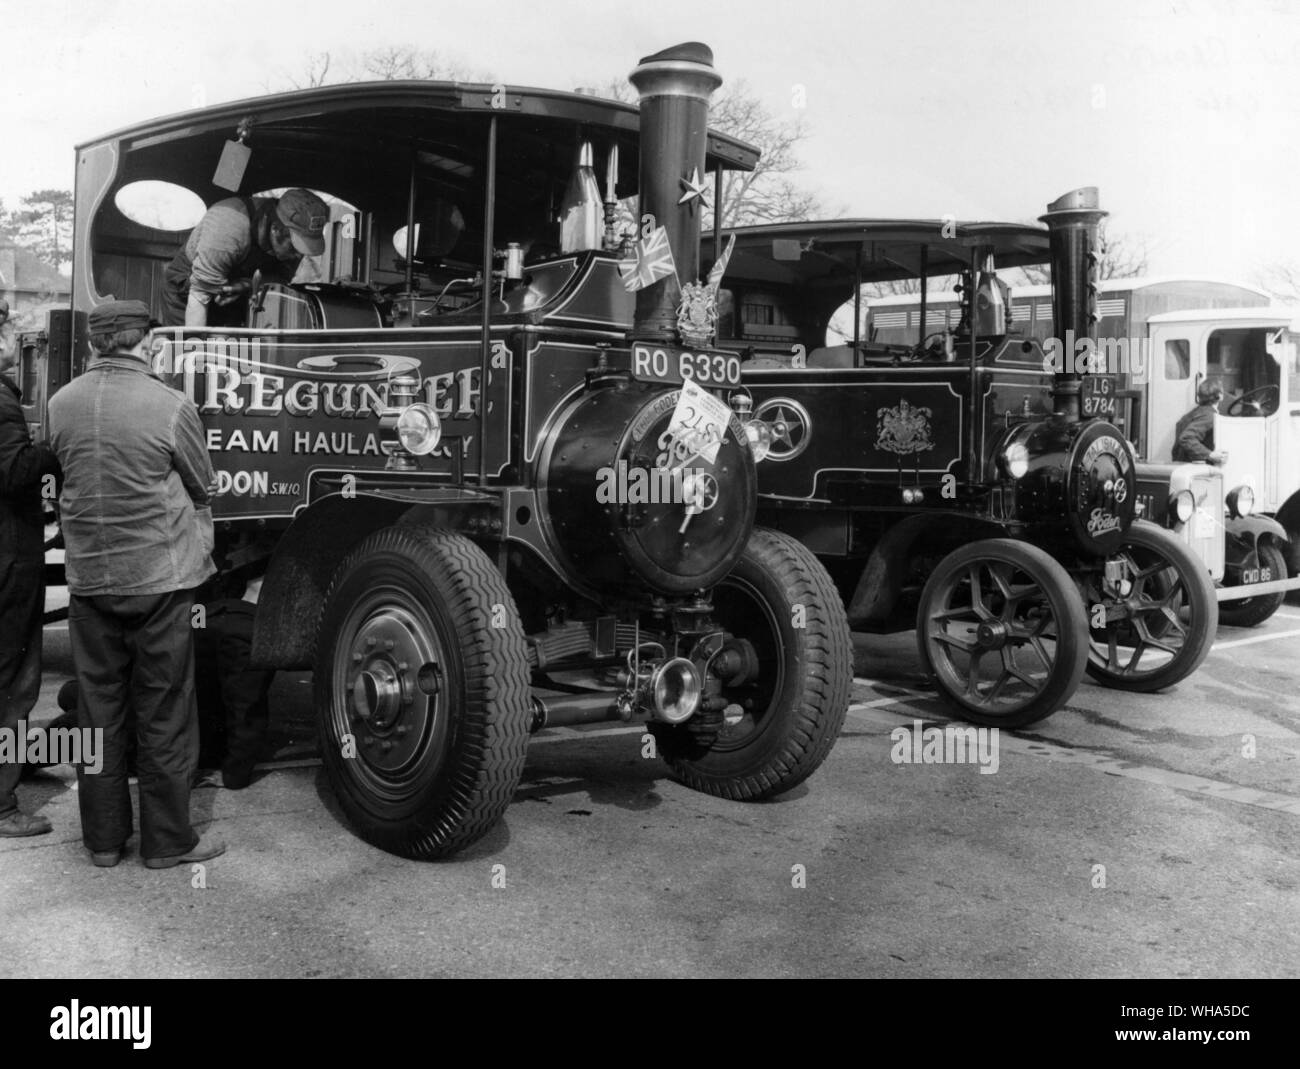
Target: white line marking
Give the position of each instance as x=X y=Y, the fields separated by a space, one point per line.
x=1252 y=641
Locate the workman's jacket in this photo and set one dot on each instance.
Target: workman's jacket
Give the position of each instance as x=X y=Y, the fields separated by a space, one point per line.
x=136 y=482
x=23 y=465
x=1194 y=435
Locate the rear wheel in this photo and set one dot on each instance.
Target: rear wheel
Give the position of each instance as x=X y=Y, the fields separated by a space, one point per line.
x=785 y=713
x=1248 y=612
x=1152 y=613
x=1001 y=631
x=421 y=689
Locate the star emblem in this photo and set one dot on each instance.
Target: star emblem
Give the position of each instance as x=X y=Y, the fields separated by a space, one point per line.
x=695 y=190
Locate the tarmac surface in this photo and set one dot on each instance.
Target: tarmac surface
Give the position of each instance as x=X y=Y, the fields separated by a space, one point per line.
x=1127 y=835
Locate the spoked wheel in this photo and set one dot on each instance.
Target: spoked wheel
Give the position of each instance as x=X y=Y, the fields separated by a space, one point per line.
x=1001 y=631
x=1151 y=610
x=792 y=656
x=421 y=688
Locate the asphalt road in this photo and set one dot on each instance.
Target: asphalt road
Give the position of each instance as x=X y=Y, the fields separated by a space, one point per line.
x=1128 y=835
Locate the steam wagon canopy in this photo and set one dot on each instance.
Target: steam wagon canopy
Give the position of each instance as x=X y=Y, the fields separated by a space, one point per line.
x=472 y=167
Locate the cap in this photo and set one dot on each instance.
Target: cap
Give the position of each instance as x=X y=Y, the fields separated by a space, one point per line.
x=115 y=316
x=305 y=214
x=1209 y=391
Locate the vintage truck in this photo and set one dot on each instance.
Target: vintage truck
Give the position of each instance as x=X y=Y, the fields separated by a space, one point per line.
x=1160 y=337
x=484 y=504
x=952 y=482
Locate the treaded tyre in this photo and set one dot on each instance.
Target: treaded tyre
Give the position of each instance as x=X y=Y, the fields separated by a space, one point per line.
x=783 y=722
x=1250 y=612
x=1161 y=614
x=1001 y=631
x=421 y=690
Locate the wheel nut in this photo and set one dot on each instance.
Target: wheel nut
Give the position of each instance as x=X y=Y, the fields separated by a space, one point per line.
x=388 y=644
x=387 y=745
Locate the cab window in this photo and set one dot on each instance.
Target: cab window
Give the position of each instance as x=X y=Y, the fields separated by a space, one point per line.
x=1239 y=359
x=1178 y=359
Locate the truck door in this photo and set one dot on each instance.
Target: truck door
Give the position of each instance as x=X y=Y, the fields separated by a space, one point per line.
x=1249 y=415
x=1171 y=387
x=1284 y=430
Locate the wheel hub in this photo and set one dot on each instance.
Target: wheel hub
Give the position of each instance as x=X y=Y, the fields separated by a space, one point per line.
x=390 y=666
x=991 y=634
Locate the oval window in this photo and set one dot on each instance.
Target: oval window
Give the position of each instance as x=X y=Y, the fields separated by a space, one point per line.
x=160 y=205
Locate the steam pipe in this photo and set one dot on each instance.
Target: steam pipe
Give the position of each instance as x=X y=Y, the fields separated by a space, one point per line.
x=674 y=87
x=1073 y=220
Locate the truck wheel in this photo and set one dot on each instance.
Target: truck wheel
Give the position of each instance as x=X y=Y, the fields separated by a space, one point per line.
x=1160 y=612
x=421 y=690
x=779 y=725
x=1249 y=612
x=1001 y=630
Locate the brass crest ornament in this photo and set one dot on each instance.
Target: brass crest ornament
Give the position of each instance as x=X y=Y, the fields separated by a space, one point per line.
x=903 y=429
x=697 y=314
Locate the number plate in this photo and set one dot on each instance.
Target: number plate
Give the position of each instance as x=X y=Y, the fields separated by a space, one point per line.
x=1256 y=575
x=1097 y=398
x=667 y=364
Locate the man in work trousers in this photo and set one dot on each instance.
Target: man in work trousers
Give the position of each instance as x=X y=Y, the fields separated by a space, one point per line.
x=138 y=531
x=23 y=468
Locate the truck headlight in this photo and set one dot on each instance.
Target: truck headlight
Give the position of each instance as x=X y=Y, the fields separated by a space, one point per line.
x=1015 y=460
x=1182 y=506
x=1241 y=501
x=419 y=429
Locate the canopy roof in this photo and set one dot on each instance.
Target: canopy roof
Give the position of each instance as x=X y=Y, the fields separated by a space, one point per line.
x=337 y=136
x=825 y=254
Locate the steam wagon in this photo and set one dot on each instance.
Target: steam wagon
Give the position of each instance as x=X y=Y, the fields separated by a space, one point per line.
x=485 y=505
x=953 y=482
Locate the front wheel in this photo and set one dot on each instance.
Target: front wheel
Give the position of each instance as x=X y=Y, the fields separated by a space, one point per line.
x=782 y=718
x=1152 y=612
x=1001 y=632
x=1250 y=612
x=421 y=690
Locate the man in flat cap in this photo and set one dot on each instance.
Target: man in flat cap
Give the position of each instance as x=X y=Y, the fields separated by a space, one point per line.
x=25 y=469
x=138 y=531
x=1194 y=435
x=208 y=280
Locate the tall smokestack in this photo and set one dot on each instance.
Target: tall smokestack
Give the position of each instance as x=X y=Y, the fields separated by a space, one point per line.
x=1073 y=220
x=674 y=87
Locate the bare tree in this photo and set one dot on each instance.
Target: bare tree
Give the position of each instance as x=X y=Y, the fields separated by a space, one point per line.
x=1119 y=256
x=767 y=194
x=1281 y=281
x=394 y=63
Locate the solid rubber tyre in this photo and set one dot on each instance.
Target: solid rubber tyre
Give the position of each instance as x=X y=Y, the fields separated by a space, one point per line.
x=799 y=698
x=1009 y=604
x=1173 y=623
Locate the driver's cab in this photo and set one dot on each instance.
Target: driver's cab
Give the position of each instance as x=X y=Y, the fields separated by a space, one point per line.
x=1252 y=354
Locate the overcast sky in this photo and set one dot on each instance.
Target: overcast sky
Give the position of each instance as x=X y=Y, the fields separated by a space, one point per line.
x=1186 y=113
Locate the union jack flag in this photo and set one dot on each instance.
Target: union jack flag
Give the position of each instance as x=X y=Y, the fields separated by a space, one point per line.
x=654 y=260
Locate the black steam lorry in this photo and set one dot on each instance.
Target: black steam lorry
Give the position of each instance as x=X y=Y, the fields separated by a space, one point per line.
x=485 y=506
x=956 y=483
